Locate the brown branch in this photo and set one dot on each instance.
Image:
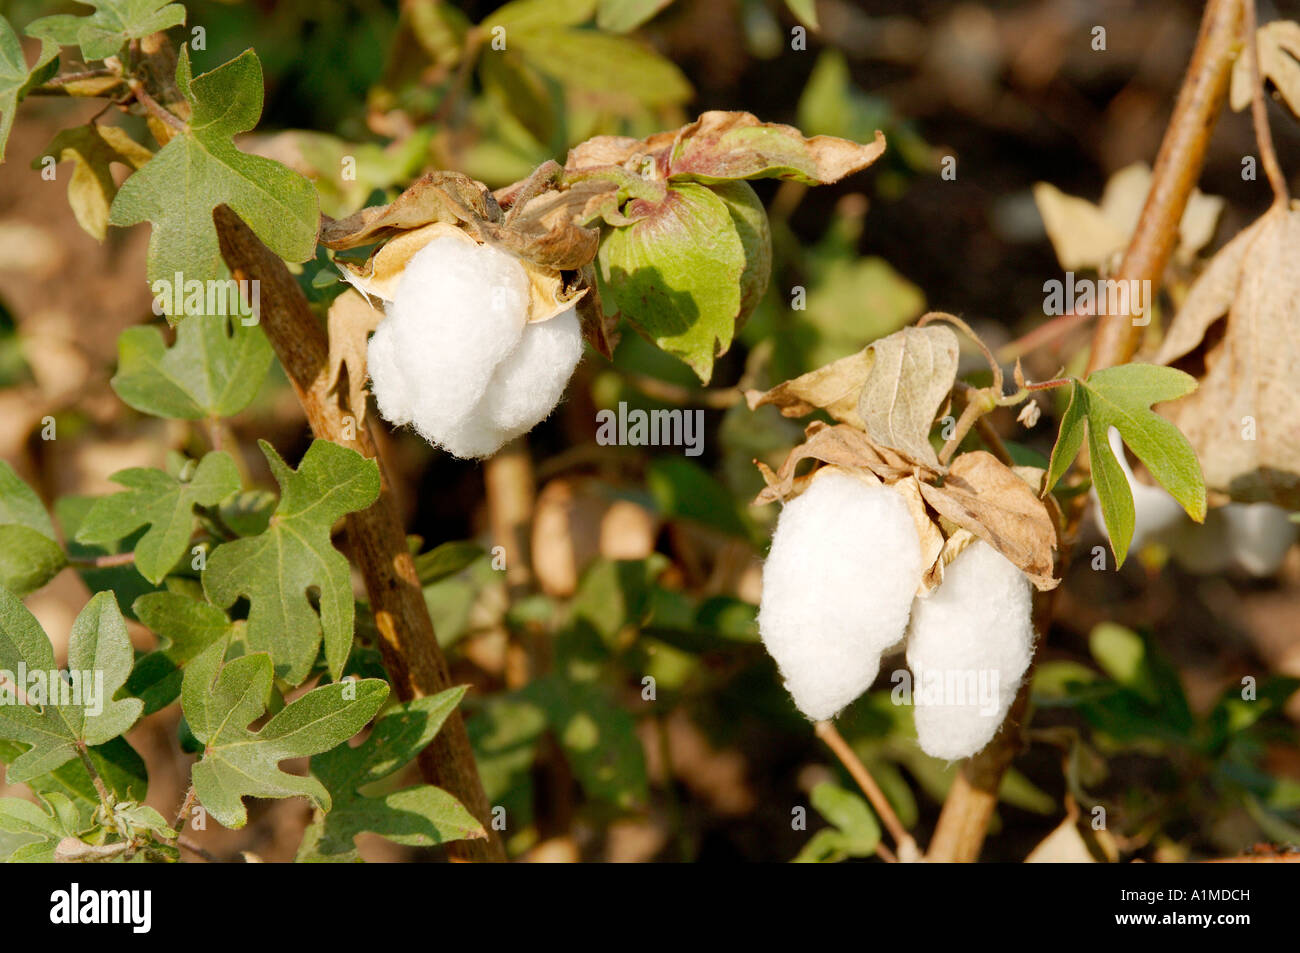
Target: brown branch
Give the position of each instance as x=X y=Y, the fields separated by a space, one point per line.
x=411 y=654
x=963 y=822
x=1178 y=166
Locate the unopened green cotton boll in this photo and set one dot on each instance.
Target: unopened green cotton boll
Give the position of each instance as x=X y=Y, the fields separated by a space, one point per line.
x=455 y=356
x=838 y=583
x=969 y=646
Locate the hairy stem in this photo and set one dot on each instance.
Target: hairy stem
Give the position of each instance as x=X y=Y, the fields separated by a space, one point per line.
x=411 y=654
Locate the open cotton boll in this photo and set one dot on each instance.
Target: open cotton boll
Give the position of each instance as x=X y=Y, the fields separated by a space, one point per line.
x=458 y=312
x=969 y=645
x=529 y=383
x=838 y=584
x=1260 y=535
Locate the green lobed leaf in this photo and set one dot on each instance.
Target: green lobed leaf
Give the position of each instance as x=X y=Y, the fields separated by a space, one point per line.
x=42 y=829
x=165 y=504
x=676 y=274
x=103 y=33
x=418 y=816
x=98 y=646
x=278 y=204
x=124 y=581
x=214 y=369
x=220 y=700
x=16 y=80
x=1121 y=397
x=276 y=569
x=185 y=628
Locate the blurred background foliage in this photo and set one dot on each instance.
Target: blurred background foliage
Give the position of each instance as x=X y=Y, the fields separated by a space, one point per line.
x=622 y=707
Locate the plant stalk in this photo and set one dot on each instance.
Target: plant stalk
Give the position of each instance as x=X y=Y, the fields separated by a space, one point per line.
x=411 y=654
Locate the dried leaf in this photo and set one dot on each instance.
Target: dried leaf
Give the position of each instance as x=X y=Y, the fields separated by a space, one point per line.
x=1065 y=845
x=984 y=496
x=351 y=319
x=91 y=189
x=448 y=197
x=912 y=371
x=952 y=548
x=931 y=537
x=1088 y=236
x=1279 y=62
x=1243 y=419
x=842 y=446
x=725 y=146
x=834 y=388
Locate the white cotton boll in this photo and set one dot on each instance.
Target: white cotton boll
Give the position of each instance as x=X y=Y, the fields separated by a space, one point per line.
x=969 y=645
x=458 y=312
x=838 y=584
x=531 y=380
x=1260 y=535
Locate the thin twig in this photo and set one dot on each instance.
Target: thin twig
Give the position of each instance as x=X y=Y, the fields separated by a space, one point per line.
x=1259 y=114
x=828 y=733
x=196 y=849
x=183 y=815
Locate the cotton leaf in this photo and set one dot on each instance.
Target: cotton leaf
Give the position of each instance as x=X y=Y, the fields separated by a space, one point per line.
x=1279 y=63
x=214 y=369
x=164 y=503
x=911 y=374
x=1242 y=419
x=103 y=33
x=419 y=816
x=834 y=388
x=982 y=495
x=16 y=80
x=30 y=554
x=91 y=187
x=99 y=646
x=1121 y=397
x=184 y=627
x=220 y=700
x=276 y=569
x=278 y=204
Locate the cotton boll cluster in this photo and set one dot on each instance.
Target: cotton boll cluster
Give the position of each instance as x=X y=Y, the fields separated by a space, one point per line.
x=969 y=645
x=838 y=584
x=455 y=356
x=1252 y=537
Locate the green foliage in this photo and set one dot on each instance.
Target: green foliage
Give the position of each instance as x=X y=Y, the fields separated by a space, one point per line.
x=279 y=205
x=98 y=647
x=39 y=830
x=16 y=80
x=854 y=830
x=185 y=628
x=115 y=22
x=220 y=700
x=163 y=502
x=276 y=569
x=30 y=554
x=419 y=816
x=1121 y=397
x=623 y=16
x=214 y=369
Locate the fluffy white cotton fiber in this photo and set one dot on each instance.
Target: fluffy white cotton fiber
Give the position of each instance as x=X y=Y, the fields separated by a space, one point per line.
x=838 y=584
x=969 y=646
x=455 y=357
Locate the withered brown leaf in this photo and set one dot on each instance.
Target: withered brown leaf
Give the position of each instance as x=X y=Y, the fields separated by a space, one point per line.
x=834 y=388
x=449 y=197
x=984 y=496
x=842 y=446
x=911 y=373
x=1243 y=420
x=351 y=319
